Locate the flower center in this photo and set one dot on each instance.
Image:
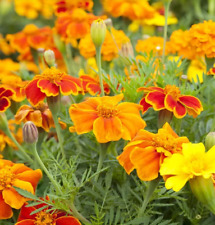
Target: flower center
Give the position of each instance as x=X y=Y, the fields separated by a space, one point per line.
x=106 y=111
x=173 y=91
x=6 y=177
x=43 y=218
x=52 y=74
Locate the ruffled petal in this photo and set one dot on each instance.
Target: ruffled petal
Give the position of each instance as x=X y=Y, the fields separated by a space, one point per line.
x=5 y=210
x=147 y=162
x=68 y=87
x=191 y=102
x=156 y=99
x=179 y=110
x=48 y=88
x=67 y=220
x=107 y=130
x=145 y=105
x=22 y=113
x=4 y=104
x=170 y=102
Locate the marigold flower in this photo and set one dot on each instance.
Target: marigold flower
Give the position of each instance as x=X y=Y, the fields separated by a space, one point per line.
x=4 y=46
x=203 y=38
x=108 y=120
x=135 y=9
x=5 y=94
x=146 y=151
x=15 y=175
x=51 y=82
x=195 y=70
x=45 y=216
x=192 y=162
x=170 y=98
x=40 y=115
x=180 y=43
x=110 y=47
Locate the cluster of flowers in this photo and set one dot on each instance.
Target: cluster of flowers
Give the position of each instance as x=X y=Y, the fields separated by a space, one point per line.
x=152 y=155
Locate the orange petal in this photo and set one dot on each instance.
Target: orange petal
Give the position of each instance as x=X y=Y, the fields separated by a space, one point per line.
x=145 y=105
x=5 y=210
x=147 y=162
x=25 y=213
x=107 y=130
x=26 y=222
x=156 y=99
x=179 y=110
x=12 y=198
x=31 y=176
x=150 y=89
x=35 y=117
x=170 y=102
x=67 y=220
x=67 y=87
x=124 y=160
x=22 y=113
x=19 y=168
x=33 y=93
x=191 y=102
x=48 y=88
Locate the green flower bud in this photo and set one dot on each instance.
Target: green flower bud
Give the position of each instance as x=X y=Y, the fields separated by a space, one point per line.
x=30 y=132
x=98 y=32
x=209 y=140
x=49 y=57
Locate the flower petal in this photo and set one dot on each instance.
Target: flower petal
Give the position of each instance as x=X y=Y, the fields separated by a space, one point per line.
x=156 y=99
x=4 y=104
x=5 y=210
x=68 y=87
x=146 y=161
x=26 y=222
x=170 y=102
x=107 y=129
x=145 y=105
x=48 y=88
x=67 y=220
x=179 y=110
x=25 y=213
x=191 y=102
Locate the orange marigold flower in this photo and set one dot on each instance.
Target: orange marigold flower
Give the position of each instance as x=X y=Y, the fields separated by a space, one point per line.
x=4 y=46
x=132 y=9
x=51 y=82
x=92 y=85
x=180 y=43
x=146 y=151
x=45 y=216
x=110 y=47
x=203 y=38
x=5 y=94
x=5 y=140
x=15 y=175
x=170 y=98
x=68 y=5
x=40 y=115
x=151 y=44
x=109 y=120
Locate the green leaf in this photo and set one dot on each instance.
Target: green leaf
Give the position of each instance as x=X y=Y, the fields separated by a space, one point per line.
x=26 y=194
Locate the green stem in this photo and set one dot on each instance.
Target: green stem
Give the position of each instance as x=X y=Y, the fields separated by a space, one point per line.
x=166 y=7
x=43 y=167
x=22 y=150
x=149 y=191
x=211 y=8
x=54 y=106
x=79 y=215
x=102 y=154
x=98 y=61
x=198 y=10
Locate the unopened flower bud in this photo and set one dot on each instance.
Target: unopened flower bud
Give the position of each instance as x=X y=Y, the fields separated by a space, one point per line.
x=49 y=57
x=30 y=132
x=98 y=32
x=210 y=140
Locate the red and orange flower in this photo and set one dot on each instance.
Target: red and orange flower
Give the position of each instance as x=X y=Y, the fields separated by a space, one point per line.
x=40 y=115
x=45 y=216
x=146 y=151
x=108 y=120
x=5 y=95
x=51 y=82
x=171 y=99
x=15 y=175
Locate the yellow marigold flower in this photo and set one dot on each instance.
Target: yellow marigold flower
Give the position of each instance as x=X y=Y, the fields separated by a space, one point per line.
x=107 y=118
x=146 y=151
x=154 y=44
x=180 y=43
x=4 y=46
x=132 y=9
x=192 y=162
x=29 y=9
x=203 y=38
x=195 y=70
x=110 y=47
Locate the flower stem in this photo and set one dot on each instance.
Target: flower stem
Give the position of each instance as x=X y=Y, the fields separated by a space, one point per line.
x=166 y=7
x=43 y=167
x=22 y=150
x=79 y=215
x=102 y=154
x=149 y=191
x=54 y=106
x=98 y=61
x=211 y=8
